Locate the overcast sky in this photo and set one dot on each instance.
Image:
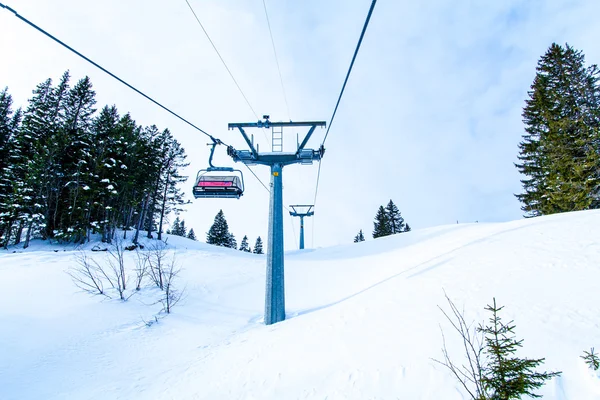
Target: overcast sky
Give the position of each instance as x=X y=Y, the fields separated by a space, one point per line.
x=431 y=117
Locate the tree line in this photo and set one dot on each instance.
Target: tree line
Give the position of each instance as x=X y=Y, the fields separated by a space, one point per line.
x=388 y=221
x=67 y=170
x=219 y=235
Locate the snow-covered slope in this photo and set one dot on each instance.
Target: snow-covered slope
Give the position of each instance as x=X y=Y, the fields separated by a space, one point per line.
x=363 y=319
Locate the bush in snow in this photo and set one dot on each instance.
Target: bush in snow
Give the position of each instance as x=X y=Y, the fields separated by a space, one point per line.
x=116 y=262
x=493 y=371
x=591 y=359
x=157 y=254
x=469 y=374
x=88 y=275
x=171 y=295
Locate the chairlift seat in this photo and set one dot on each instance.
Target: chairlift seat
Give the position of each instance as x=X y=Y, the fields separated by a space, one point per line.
x=209 y=186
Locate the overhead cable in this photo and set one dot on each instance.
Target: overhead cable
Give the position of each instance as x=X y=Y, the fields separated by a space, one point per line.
x=277 y=62
x=362 y=34
x=108 y=72
x=222 y=60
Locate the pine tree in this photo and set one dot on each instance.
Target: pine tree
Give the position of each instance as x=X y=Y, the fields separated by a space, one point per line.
x=244 y=245
x=175 y=230
x=407 y=228
x=182 y=231
x=381 y=224
x=191 y=234
x=395 y=219
x=231 y=243
x=258 y=246
x=218 y=234
x=360 y=237
x=559 y=154
x=505 y=375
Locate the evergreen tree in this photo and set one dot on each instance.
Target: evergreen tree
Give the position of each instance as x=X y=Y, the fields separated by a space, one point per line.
x=67 y=172
x=175 y=230
x=231 y=243
x=559 y=154
x=407 y=228
x=191 y=234
x=244 y=245
x=258 y=246
x=218 y=234
x=182 y=229
x=395 y=218
x=360 y=237
x=381 y=224
x=505 y=375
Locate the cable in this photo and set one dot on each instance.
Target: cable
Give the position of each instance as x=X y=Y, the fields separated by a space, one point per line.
x=277 y=61
x=261 y=182
x=223 y=61
x=294 y=230
x=362 y=34
x=108 y=72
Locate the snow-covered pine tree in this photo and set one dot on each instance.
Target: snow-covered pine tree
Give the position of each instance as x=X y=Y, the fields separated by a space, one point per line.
x=407 y=228
x=232 y=243
x=559 y=154
x=381 y=224
x=9 y=125
x=258 y=246
x=191 y=234
x=395 y=219
x=218 y=234
x=104 y=162
x=77 y=197
x=505 y=375
x=244 y=245
x=360 y=237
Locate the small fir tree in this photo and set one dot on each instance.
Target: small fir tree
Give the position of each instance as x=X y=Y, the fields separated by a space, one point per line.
x=591 y=359
x=258 y=246
x=244 y=245
x=381 y=224
x=175 y=227
x=407 y=228
x=360 y=237
x=231 y=243
x=395 y=220
x=182 y=229
x=191 y=234
x=218 y=234
x=505 y=375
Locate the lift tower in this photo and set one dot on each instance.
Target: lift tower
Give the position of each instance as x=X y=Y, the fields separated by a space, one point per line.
x=307 y=213
x=276 y=160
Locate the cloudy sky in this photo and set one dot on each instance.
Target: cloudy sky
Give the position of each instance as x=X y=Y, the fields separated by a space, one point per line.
x=430 y=117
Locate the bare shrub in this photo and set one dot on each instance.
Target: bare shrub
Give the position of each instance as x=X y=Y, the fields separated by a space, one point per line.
x=157 y=254
x=88 y=275
x=141 y=269
x=470 y=373
x=171 y=295
x=116 y=264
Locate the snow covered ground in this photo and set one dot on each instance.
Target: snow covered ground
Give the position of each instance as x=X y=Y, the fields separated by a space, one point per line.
x=363 y=319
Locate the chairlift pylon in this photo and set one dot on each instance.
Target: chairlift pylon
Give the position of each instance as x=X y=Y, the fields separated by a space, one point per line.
x=218 y=186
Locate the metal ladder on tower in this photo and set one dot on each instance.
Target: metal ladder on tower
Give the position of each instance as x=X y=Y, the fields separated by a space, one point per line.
x=277 y=139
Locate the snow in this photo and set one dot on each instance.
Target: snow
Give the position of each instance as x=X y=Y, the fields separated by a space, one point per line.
x=363 y=319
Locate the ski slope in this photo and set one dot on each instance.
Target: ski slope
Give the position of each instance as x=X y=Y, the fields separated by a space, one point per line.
x=363 y=319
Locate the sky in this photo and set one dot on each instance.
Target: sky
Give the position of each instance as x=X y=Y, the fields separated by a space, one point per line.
x=431 y=116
